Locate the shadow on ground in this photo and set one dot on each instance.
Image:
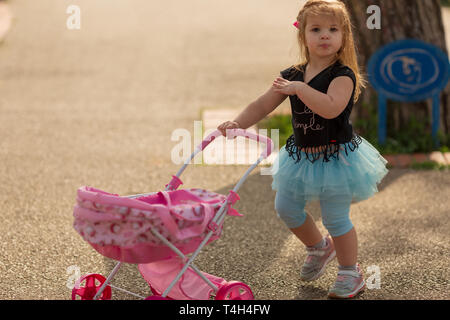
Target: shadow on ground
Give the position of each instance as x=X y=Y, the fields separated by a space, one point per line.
x=256 y=249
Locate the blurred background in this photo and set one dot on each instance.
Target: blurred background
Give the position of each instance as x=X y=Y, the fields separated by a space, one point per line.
x=97 y=105
x=409 y=124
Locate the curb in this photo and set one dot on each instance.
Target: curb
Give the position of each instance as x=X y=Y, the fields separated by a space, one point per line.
x=407 y=160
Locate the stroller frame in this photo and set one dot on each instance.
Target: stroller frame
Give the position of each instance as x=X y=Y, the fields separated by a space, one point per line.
x=214 y=223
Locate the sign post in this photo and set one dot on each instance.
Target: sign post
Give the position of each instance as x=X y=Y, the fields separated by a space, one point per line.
x=408 y=71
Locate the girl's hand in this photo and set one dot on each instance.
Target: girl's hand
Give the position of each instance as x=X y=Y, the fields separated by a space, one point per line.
x=228 y=125
x=285 y=86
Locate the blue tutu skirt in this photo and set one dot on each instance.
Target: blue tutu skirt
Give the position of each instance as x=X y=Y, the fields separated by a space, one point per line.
x=354 y=174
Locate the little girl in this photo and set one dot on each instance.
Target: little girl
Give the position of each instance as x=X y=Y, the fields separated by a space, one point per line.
x=324 y=159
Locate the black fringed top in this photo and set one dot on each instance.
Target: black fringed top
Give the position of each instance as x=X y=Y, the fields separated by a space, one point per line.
x=310 y=129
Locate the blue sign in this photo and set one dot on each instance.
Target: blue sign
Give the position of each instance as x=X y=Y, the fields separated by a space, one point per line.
x=408 y=71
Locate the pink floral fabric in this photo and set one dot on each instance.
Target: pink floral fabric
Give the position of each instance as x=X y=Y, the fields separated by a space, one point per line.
x=181 y=216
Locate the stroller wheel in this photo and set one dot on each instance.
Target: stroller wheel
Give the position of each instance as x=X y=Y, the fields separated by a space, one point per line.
x=93 y=282
x=235 y=290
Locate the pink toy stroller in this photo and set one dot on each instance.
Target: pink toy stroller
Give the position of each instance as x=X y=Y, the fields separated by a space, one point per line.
x=157 y=231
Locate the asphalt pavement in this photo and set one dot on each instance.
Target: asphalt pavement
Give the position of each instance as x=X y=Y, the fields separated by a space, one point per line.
x=99 y=106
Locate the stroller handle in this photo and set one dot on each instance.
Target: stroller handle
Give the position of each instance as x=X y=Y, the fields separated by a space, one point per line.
x=233 y=133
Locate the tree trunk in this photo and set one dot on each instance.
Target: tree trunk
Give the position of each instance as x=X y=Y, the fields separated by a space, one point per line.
x=400 y=19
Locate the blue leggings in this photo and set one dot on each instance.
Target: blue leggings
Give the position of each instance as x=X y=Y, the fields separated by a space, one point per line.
x=335 y=213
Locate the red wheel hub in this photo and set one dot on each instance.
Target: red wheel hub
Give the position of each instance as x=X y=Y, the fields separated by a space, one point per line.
x=88 y=285
x=235 y=290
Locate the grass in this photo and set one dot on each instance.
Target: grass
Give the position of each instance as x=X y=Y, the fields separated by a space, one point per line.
x=280 y=122
x=429 y=165
x=424 y=166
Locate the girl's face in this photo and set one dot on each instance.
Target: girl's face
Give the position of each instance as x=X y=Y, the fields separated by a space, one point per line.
x=323 y=36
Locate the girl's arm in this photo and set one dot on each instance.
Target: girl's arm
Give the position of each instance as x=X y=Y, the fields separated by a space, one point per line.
x=260 y=108
x=255 y=111
x=327 y=105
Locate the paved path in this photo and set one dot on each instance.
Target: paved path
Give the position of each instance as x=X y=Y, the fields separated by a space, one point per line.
x=98 y=106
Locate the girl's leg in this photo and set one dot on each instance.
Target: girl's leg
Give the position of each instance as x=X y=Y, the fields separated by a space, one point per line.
x=293 y=214
x=320 y=251
x=308 y=233
x=346 y=248
x=335 y=217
